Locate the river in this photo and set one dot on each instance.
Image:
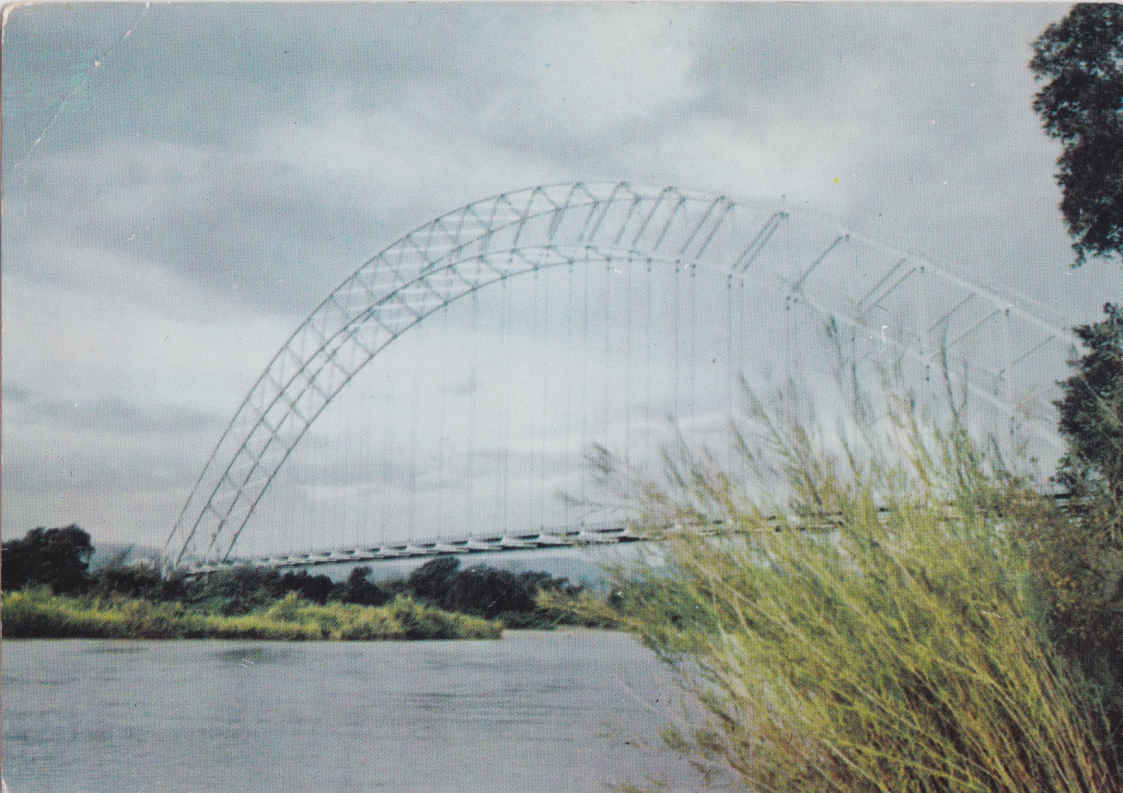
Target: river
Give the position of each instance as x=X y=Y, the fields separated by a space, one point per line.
x=571 y=711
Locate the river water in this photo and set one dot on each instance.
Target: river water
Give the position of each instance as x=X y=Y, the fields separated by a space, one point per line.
x=571 y=711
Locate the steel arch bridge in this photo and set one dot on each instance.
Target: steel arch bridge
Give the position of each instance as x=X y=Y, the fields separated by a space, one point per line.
x=996 y=345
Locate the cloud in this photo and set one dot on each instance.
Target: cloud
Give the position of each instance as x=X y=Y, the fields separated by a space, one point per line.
x=176 y=201
x=125 y=332
x=108 y=414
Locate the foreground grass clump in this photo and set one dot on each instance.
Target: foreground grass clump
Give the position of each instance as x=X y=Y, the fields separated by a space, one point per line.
x=881 y=632
x=38 y=613
x=888 y=656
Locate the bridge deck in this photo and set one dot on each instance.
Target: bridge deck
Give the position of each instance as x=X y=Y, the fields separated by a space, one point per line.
x=600 y=535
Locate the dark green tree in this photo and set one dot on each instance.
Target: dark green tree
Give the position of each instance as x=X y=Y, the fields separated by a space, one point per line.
x=317 y=588
x=488 y=592
x=1077 y=554
x=58 y=558
x=432 y=579
x=359 y=589
x=1081 y=105
x=1091 y=412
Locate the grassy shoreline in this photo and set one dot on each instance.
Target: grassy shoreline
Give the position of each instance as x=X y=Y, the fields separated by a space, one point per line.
x=37 y=613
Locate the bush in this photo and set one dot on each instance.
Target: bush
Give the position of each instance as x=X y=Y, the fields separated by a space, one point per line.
x=421 y=621
x=577 y=608
x=132 y=581
x=1076 y=555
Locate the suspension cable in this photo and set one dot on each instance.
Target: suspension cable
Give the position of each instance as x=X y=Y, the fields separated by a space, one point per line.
x=675 y=338
x=533 y=460
x=693 y=342
x=607 y=369
x=585 y=391
x=504 y=476
x=647 y=361
x=569 y=381
x=413 y=455
x=729 y=366
x=742 y=359
x=389 y=454
x=628 y=382
x=441 y=438
x=545 y=401
x=473 y=387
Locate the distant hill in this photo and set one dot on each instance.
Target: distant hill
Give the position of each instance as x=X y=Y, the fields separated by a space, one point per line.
x=106 y=553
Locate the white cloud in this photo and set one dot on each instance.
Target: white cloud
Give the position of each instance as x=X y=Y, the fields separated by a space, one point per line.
x=599 y=66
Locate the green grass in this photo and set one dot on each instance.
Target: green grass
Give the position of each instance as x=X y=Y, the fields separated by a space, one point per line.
x=897 y=646
x=899 y=653
x=38 y=613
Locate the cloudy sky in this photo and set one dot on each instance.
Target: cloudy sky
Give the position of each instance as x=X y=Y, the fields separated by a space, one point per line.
x=182 y=184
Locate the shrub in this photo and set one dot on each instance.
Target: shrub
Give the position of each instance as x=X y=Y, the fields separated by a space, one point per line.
x=421 y=621
x=577 y=608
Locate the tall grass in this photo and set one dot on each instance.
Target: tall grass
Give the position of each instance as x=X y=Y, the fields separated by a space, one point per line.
x=38 y=613
x=879 y=629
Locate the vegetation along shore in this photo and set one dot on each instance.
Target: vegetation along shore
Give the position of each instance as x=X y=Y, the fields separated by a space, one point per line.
x=49 y=591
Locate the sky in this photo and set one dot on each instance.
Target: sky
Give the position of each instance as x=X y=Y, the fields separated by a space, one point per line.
x=182 y=184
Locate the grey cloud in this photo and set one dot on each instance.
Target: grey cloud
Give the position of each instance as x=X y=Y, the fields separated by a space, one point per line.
x=271 y=149
x=110 y=414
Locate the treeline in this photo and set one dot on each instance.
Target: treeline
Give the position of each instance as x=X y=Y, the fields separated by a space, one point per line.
x=480 y=591
x=58 y=559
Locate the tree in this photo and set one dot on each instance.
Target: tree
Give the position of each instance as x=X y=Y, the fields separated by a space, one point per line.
x=359 y=589
x=432 y=579
x=316 y=588
x=1082 y=106
x=1077 y=555
x=59 y=558
x=1091 y=412
x=488 y=592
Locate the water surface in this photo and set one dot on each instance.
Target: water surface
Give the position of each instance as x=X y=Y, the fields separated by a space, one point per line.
x=571 y=711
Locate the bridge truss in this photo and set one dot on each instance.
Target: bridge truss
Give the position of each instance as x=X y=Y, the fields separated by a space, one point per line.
x=995 y=345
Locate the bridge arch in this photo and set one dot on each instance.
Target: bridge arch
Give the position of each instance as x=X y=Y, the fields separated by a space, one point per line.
x=892 y=298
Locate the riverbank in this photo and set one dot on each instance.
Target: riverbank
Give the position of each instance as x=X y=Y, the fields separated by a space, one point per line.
x=36 y=613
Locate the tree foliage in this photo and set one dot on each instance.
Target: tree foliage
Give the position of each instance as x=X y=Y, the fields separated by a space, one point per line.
x=431 y=580
x=1081 y=105
x=488 y=592
x=359 y=589
x=1091 y=411
x=1078 y=553
x=58 y=558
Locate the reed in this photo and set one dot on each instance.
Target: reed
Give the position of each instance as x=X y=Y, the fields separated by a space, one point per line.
x=878 y=631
